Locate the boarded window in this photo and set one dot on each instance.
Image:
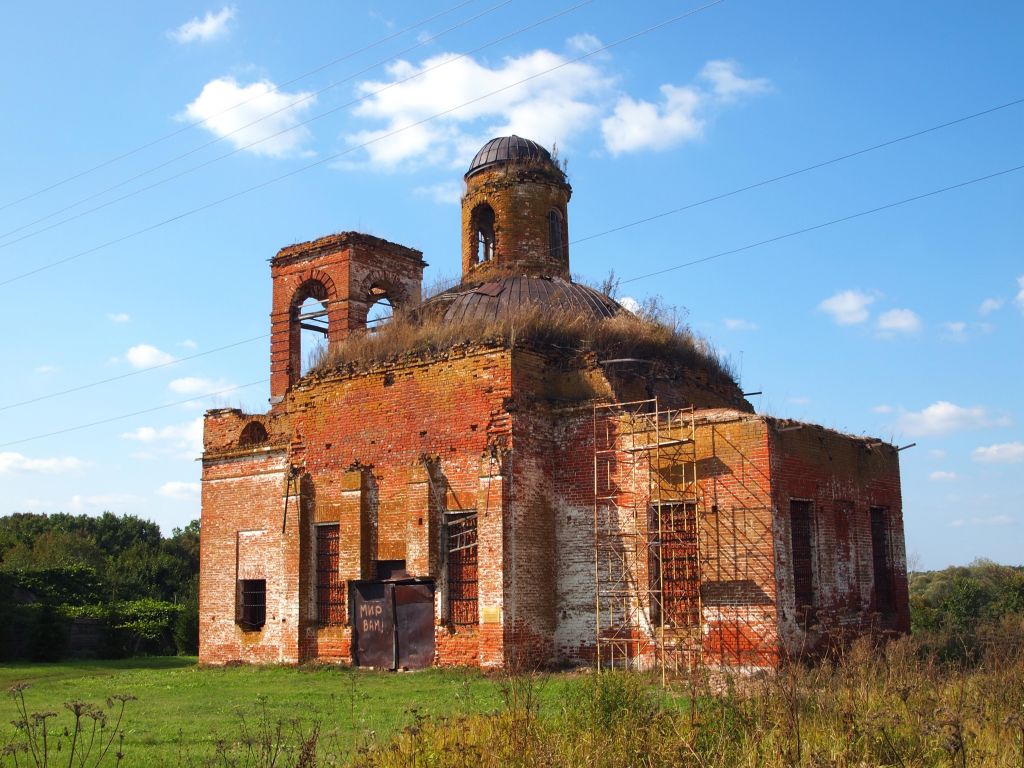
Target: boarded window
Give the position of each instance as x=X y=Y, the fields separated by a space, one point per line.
x=675 y=564
x=555 y=240
x=463 y=600
x=252 y=604
x=803 y=564
x=883 y=584
x=330 y=593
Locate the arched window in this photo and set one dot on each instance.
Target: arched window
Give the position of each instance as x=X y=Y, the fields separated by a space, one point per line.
x=556 y=243
x=253 y=434
x=309 y=318
x=381 y=309
x=483 y=232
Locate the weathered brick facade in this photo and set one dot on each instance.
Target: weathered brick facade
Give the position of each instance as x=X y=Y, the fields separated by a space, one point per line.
x=474 y=472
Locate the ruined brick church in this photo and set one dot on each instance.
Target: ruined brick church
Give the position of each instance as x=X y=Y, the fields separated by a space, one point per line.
x=524 y=498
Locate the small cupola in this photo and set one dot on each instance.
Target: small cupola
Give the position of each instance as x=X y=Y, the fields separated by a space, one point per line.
x=515 y=212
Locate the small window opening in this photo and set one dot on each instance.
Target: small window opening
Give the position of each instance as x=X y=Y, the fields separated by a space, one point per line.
x=675 y=564
x=883 y=581
x=381 y=310
x=330 y=592
x=252 y=435
x=803 y=565
x=556 y=242
x=252 y=604
x=483 y=232
x=312 y=320
x=391 y=569
x=462 y=571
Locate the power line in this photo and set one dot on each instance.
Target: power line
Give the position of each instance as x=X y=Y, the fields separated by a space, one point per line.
x=840 y=220
x=258 y=120
x=133 y=413
x=147 y=369
x=189 y=126
x=718 y=255
x=619 y=228
x=379 y=138
x=791 y=174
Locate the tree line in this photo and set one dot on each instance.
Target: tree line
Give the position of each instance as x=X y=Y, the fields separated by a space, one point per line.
x=104 y=586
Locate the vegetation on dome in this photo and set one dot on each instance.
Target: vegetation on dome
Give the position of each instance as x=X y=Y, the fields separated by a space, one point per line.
x=654 y=333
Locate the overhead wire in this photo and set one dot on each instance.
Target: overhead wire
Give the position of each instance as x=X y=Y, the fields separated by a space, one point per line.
x=720 y=254
x=378 y=138
x=275 y=88
x=262 y=118
x=755 y=185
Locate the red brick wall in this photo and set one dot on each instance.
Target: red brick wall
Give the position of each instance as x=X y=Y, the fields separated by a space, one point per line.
x=843 y=477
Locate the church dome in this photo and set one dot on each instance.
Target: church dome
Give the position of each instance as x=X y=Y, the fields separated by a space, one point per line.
x=505 y=296
x=506 y=149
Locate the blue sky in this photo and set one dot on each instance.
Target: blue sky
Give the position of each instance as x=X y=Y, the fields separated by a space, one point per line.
x=905 y=324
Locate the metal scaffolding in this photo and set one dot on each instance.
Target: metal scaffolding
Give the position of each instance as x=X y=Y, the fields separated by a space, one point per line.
x=646 y=536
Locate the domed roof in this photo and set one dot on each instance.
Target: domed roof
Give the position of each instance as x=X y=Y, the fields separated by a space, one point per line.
x=504 y=149
x=503 y=296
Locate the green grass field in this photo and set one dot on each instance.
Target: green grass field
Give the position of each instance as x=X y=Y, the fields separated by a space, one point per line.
x=182 y=710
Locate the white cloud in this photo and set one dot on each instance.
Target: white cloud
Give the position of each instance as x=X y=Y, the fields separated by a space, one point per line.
x=636 y=125
x=939 y=476
x=800 y=400
x=226 y=110
x=988 y=306
x=881 y=409
x=896 y=321
x=182 y=440
x=943 y=417
x=630 y=304
x=955 y=331
x=11 y=463
x=847 y=307
x=726 y=83
x=146 y=356
x=975 y=521
x=1019 y=299
x=188 y=344
x=196 y=385
x=211 y=27
x=1003 y=453
x=550 y=109
x=177 y=489
x=47 y=369
x=736 y=324
x=445 y=193
x=585 y=43
x=937 y=453
x=118 y=317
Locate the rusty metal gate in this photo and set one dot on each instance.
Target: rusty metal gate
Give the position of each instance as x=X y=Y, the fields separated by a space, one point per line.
x=393 y=623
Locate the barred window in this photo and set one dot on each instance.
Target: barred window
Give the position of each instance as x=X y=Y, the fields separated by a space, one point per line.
x=555 y=242
x=330 y=592
x=252 y=604
x=675 y=564
x=801 y=539
x=463 y=597
x=885 y=602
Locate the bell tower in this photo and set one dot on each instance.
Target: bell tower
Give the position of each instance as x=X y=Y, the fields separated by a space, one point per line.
x=515 y=213
x=346 y=273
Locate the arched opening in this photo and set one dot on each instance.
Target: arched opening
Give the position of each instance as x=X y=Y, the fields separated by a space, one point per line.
x=381 y=309
x=483 y=232
x=253 y=434
x=309 y=326
x=556 y=239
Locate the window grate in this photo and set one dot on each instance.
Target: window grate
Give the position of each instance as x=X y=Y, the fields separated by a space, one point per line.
x=330 y=592
x=253 y=604
x=884 y=598
x=803 y=558
x=463 y=594
x=675 y=566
